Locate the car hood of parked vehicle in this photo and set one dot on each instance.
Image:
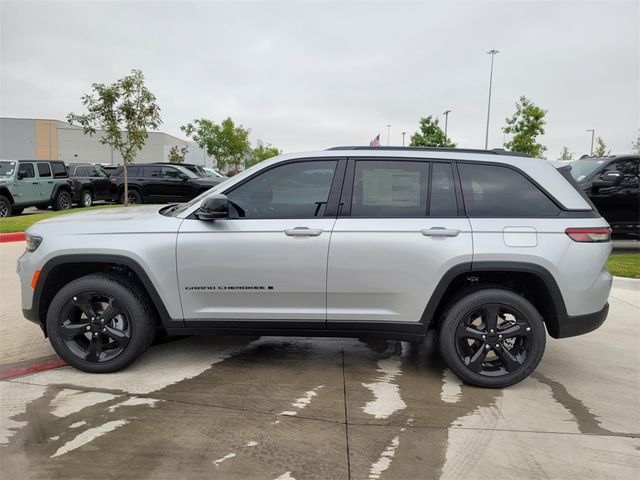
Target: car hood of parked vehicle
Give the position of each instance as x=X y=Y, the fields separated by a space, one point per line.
x=108 y=221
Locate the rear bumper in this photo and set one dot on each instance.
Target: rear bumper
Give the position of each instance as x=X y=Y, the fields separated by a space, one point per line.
x=571 y=326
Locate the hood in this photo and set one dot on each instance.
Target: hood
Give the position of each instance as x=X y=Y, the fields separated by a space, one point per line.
x=108 y=221
x=208 y=181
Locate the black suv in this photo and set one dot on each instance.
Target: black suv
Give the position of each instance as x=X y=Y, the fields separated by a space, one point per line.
x=197 y=169
x=89 y=183
x=158 y=183
x=613 y=185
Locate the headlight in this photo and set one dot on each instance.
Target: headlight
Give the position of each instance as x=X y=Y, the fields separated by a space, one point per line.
x=33 y=242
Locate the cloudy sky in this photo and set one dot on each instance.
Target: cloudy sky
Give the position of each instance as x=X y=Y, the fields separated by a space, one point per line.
x=308 y=75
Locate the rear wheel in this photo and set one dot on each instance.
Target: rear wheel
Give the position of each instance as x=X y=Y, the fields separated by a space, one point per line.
x=100 y=323
x=134 y=197
x=492 y=338
x=86 y=198
x=62 y=201
x=5 y=207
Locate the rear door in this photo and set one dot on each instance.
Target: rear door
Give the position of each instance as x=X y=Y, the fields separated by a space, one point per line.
x=399 y=231
x=45 y=180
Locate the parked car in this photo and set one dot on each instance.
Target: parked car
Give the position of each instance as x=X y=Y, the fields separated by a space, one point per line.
x=197 y=169
x=156 y=183
x=109 y=168
x=212 y=172
x=89 y=183
x=33 y=183
x=613 y=185
x=490 y=249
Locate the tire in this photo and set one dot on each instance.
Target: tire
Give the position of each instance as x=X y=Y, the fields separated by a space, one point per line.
x=134 y=197
x=86 y=199
x=94 y=346
x=62 y=201
x=5 y=207
x=17 y=211
x=492 y=354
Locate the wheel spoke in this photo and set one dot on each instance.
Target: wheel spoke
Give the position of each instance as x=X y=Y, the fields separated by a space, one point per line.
x=517 y=330
x=112 y=310
x=95 y=348
x=122 y=338
x=509 y=362
x=84 y=304
x=490 y=316
x=71 y=330
x=471 y=332
x=475 y=363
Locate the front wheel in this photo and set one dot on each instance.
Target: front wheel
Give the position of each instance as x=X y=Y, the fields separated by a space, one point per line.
x=492 y=338
x=62 y=201
x=100 y=323
x=5 y=207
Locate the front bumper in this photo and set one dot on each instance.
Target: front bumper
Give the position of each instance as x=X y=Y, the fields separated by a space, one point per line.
x=571 y=326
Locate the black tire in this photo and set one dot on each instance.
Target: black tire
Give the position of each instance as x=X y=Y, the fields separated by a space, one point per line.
x=86 y=199
x=492 y=357
x=134 y=197
x=5 y=207
x=62 y=201
x=128 y=334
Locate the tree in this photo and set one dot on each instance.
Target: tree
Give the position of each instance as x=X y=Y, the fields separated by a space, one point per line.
x=635 y=146
x=430 y=134
x=226 y=142
x=566 y=154
x=601 y=148
x=177 y=155
x=123 y=112
x=261 y=153
x=525 y=125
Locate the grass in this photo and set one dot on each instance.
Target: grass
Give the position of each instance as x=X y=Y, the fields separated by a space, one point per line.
x=20 y=223
x=624 y=265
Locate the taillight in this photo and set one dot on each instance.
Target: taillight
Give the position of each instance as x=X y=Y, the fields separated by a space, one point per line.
x=592 y=235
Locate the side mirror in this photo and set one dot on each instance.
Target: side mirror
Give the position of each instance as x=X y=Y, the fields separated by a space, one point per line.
x=214 y=207
x=183 y=177
x=22 y=174
x=608 y=179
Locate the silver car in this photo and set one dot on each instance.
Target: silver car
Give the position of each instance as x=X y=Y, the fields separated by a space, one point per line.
x=494 y=250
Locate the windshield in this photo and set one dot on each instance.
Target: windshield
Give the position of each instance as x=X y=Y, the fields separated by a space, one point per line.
x=186 y=171
x=581 y=169
x=7 y=168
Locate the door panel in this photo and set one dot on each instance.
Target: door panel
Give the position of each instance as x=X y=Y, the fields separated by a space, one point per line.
x=29 y=185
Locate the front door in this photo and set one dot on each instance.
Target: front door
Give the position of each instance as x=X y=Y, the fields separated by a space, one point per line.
x=269 y=260
x=400 y=230
x=28 y=184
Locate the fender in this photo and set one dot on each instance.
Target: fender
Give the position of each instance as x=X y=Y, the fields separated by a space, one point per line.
x=35 y=315
x=4 y=191
x=58 y=186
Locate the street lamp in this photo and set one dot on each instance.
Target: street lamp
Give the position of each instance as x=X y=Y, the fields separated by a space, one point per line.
x=388 y=133
x=593 y=132
x=446 y=121
x=491 y=52
x=403 y=134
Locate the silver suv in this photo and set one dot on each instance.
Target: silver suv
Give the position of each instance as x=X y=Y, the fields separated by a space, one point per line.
x=487 y=247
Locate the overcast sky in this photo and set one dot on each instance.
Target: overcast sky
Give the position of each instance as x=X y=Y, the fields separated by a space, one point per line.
x=310 y=75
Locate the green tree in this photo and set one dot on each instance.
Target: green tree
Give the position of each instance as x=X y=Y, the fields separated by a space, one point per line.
x=123 y=112
x=177 y=154
x=430 y=134
x=635 y=146
x=261 y=153
x=566 y=154
x=525 y=125
x=601 y=148
x=226 y=142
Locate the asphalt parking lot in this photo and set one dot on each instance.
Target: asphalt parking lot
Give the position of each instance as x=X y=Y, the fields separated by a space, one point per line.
x=300 y=408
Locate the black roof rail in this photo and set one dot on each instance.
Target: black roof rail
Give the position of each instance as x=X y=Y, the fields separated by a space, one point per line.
x=495 y=151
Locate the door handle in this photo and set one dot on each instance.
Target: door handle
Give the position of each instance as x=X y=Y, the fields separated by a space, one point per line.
x=35 y=183
x=302 y=232
x=440 y=232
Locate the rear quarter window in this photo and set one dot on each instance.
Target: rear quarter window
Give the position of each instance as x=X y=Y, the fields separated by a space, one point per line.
x=59 y=170
x=496 y=191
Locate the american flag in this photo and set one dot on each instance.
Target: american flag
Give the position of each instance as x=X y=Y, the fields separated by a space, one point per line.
x=375 y=142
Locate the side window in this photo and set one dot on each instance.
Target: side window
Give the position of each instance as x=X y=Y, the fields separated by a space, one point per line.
x=170 y=172
x=44 y=170
x=390 y=189
x=443 y=193
x=493 y=191
x=133 y=171
x=154 y=171
x=26 y=170
x=59 y=170
x=294 y=190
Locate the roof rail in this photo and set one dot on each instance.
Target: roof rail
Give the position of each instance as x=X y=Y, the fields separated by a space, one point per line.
x=495 y=151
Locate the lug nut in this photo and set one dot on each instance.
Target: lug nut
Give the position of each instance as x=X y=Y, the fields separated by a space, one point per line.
x=484 y=336
x=75 y=299
x=104 y=329
x=487 y=347
x=497 y=345
x=491 y=331
x=499 y=336
x=88 y=327
x=93 y=318
x=95 y=334
x=528 y=329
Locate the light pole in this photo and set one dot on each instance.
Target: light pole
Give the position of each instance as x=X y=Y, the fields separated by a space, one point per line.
x=491 y=52
x=446 y=121
x=403 y=134
x=593 y=132
x=388 y=133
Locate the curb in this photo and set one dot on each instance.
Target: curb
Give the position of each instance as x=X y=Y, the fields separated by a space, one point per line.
x=33 y=368
x=12 y=237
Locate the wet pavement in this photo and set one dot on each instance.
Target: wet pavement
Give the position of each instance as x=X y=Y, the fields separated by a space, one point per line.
x=233 y=407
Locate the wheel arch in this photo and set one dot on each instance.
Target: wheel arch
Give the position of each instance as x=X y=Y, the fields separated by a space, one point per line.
x=4 y=191
x=60 y=186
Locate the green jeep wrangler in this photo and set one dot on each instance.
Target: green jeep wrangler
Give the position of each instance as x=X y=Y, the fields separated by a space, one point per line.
x=33 y=183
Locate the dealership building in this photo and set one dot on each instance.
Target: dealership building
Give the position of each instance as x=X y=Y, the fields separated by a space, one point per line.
x=43 y=139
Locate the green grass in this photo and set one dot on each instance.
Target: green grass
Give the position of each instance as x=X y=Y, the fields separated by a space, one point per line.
x=20 y=223
x=624 y=265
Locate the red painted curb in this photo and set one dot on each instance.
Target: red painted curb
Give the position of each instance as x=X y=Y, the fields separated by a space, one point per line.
x=12 y=237
x=35 y=368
